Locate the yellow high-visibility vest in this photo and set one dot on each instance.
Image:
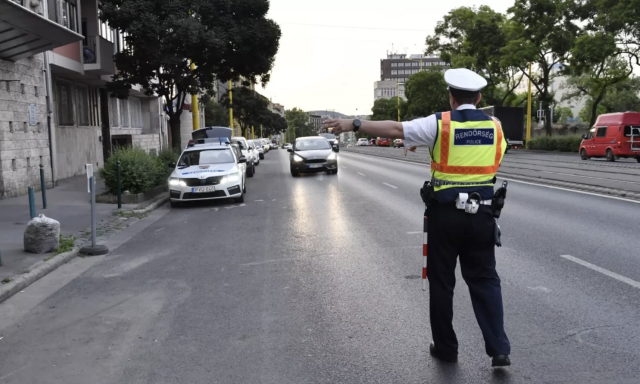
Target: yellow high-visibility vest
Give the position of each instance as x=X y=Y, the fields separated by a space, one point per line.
x=467 y=153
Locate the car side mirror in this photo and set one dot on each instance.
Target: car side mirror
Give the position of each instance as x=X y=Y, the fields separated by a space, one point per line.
x=242 y=159
x=171 y=164
x=289 y=149
x=584 y=137
x=334 y=147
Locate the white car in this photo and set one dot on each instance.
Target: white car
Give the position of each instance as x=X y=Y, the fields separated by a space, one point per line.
x=246 y=152
x=259 y=148
x=256 y=152
x=363 y=142
x=288 y=146
x=208 y=169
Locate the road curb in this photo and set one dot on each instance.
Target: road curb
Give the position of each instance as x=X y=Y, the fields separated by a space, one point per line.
x=36 y=272
x=43 y=268
x=537 y=180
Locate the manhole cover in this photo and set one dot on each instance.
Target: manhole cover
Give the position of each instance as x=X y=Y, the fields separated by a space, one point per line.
x=412 y=277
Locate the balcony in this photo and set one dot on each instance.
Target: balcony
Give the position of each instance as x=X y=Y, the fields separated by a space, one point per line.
x=24 y=33
x=98 y=56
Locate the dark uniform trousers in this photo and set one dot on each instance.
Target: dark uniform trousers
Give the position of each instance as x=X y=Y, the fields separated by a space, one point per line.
x=453 y=233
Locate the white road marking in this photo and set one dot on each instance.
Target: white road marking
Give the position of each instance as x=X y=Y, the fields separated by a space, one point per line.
x=541 y=289
x=344 y=166
x=361 y=174
x=259 y=200
x=569 y=190
x=414 y=233
x=632 y=283
x=389 y=185
x=269 y=261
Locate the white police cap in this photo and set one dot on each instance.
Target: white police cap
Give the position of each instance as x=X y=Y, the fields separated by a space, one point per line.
x=464 y=80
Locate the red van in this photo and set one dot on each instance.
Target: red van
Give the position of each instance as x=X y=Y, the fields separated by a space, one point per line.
x=383 y=142
x=614 y=135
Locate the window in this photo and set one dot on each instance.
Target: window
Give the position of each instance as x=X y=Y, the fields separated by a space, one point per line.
x=400 y=64
x=136 y=112
x=416 y=64
x=602 y=132
x=83 y=105
x=394 y=72
x=628 y=131
x=114 y=116
x=415 y=71
x=106 y=32
x=65 y=13
x=124 y=112
x=394 y=65
x=64 y=98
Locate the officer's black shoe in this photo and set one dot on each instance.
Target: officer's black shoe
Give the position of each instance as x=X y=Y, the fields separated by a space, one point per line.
x=438 y=355
x=500 y=361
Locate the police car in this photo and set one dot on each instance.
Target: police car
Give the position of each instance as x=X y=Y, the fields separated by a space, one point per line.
x=211 y=168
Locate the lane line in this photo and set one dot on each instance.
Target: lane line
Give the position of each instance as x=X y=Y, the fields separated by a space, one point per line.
x=517 y=181
x=259 y=200
x=361 y=174
x=389 y=185
x=344 y=166
x=414 y=233
x=632 y=283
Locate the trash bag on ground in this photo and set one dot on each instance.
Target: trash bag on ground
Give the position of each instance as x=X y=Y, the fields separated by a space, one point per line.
x=42 y=235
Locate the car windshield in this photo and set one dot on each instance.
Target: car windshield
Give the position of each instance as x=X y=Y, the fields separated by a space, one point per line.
x=206 y=156
x=312 y=145
x=328 y=136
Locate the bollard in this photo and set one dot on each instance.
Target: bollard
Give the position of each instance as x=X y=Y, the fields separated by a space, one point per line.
x=32 y=202
x=93 y=249
x=43 y=185
x=118 y=183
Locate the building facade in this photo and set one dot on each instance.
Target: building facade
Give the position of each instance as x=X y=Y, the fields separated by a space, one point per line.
x=388 y=89
x=396 y=69
x=56 y=58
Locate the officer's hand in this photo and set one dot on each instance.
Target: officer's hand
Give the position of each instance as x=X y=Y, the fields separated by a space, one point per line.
x=406 y=150
x=339 y=125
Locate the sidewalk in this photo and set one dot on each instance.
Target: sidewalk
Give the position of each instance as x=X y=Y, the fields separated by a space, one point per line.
x=68 y=203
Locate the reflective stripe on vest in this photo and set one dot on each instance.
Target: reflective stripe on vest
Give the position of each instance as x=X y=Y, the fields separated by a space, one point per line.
x=445 y=171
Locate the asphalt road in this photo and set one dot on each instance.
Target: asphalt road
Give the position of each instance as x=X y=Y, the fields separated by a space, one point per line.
x=623 y=174
x=313 y=281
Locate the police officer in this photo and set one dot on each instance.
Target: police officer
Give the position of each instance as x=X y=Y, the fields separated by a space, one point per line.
x=466 y=147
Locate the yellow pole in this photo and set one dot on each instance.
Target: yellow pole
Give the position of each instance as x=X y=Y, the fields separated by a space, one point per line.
x=195 y=111
x=253 y=135
x=398 y=95
x=231 y=105
x=529 y=111
x=253 y=89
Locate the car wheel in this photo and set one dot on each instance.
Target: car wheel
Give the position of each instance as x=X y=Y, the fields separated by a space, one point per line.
x=244 y=187
x=261 y=156
x=610 y=156
x=250 y=171
x=638 y=159
x=295 y=173
x=175 y=204
x=583 y=154
x=240 y=199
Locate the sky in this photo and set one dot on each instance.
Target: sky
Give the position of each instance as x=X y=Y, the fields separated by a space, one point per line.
x=330 y=50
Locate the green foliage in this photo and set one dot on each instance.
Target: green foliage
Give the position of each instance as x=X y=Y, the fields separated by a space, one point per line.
x=66 y=244
x=387 y=109
x=272 y=123
x=298 y=123
x=562 y=114
x=249 y=107
x=224 y=39
x=427 y=93
x=473 y=38
x=569 y=143
x=139 y=171
x=215 y=115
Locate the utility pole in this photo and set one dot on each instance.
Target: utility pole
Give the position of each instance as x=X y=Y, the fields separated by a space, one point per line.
x=195 y=111
x=529 y=111
x=231 y=106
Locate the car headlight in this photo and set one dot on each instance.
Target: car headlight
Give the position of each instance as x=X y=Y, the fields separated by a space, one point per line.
x=332 y=156
x=174 y=181
x=233 y=177
x=297 y=158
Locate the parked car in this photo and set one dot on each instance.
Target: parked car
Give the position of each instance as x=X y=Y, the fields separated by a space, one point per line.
x=312 y=154
x=259 y=148
x=208 y=169
x=372 y=142
x=362 y=142
x=615 y=135
x=288 y=146
x=256 y=150
x=246 y=152
x=265 y=145
x=397 y=143
x=383 y=142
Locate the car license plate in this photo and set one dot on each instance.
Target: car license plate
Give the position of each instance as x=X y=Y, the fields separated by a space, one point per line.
x=203 y=189
x=316 y=165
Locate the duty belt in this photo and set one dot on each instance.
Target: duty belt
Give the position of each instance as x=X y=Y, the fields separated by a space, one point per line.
x=441 y=183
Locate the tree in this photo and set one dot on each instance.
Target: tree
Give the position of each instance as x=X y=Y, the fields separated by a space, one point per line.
x=620 y=97
x=387 y=109
x=249 y=107
x=541 y=32
x=272 y=123
x=224 y=39
x=473 y=38
x=427 y=93
x=561 y=115
x=298 y=123
x=215 y=115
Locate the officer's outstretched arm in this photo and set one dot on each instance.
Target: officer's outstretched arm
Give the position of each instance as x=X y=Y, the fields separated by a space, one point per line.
x=390 y=129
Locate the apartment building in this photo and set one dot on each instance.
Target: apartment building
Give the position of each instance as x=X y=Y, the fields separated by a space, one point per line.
x=68 y=38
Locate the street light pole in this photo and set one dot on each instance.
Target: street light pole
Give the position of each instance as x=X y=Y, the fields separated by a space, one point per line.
x=529 y=111
x=398 y=96
x=231 y=105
